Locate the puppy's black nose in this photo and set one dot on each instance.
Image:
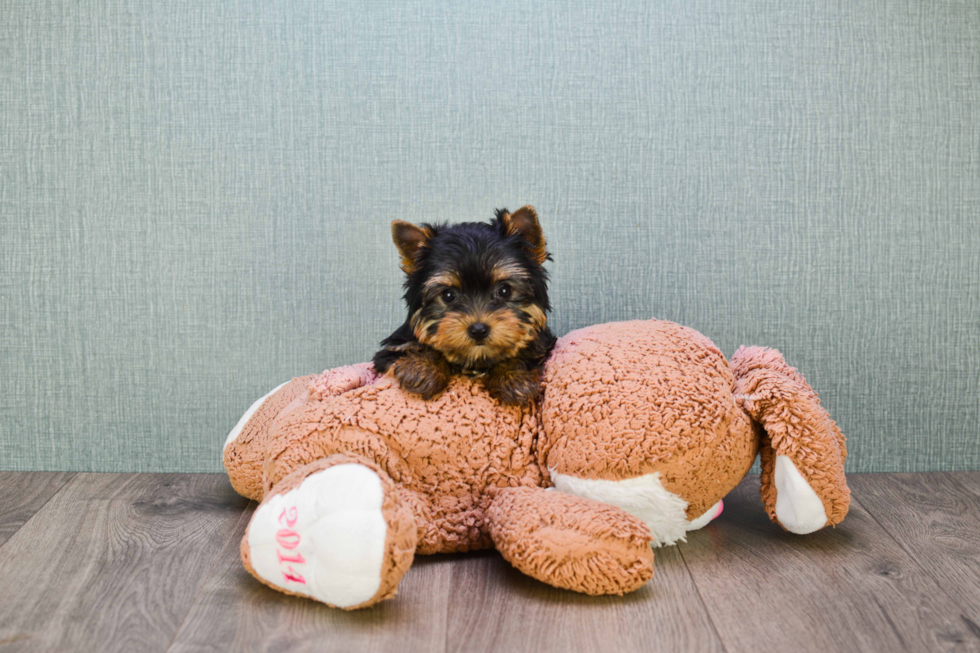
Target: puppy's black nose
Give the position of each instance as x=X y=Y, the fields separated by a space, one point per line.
x=478 y=331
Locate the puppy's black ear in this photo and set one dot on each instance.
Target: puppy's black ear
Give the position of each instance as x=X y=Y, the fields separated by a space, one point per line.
x=524 y=221
x=409 y=239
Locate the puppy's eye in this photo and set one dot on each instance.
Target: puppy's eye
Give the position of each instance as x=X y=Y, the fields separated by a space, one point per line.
x=448 y=295
x=504 y=291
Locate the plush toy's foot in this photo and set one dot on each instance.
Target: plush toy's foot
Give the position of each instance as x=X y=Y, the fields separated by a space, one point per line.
x=802 y=451
x=571 y=542
x=334 y=531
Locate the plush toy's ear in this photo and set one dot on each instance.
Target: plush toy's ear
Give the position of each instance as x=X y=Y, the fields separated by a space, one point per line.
x=524 y=221
x=409 y=239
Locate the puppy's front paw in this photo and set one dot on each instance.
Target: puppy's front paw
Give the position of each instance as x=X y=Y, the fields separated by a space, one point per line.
x=423 y=373
x=515 y=387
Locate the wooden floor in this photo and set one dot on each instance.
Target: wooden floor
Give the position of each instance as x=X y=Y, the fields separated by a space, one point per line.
x=149 y=562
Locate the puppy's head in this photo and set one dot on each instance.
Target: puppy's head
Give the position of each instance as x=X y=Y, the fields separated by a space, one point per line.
x=476 y=292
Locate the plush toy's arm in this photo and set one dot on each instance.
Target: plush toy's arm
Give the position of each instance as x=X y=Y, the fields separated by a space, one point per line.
x=342 y=379
x=802 y=449
x=571 y=542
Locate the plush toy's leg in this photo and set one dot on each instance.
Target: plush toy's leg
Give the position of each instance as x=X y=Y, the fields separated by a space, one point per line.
x=571 y=542
x=802 y=449
x=336 y=531
x=244 y=451
x=263 y=410
x=245 y=447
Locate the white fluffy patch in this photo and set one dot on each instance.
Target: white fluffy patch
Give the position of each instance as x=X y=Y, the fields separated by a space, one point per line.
x=248 y=415
x=798 y=508
x=324 y=539
x=642 y=496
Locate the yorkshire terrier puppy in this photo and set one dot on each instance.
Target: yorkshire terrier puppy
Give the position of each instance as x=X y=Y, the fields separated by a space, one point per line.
x=477 y=298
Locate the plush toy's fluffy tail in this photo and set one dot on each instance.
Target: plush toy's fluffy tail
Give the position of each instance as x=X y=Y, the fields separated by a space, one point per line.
x=802 y=449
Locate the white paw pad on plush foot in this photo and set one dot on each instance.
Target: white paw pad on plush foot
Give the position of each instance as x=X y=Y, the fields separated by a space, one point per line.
x=798 y=508
x=324 y=538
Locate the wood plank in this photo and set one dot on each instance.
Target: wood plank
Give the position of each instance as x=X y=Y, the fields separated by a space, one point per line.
x=117 y=562
x=22 y=494
x=234 y=611
x=852 y=588
x=114 y=561
x=493 y=607
x=969 y=480
x=936 y=518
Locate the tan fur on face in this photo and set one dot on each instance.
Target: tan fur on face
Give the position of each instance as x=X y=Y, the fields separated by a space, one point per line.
x=442 y=279
x=508 y=335
x=538 y=318
x=507 y=271
x=420 y=327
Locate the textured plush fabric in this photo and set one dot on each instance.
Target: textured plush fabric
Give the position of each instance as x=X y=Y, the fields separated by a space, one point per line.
x=664 y=405
x=645 y=416
x=444 y=454
x=250 y=459
x=571 y=542
x=195 y=198
x=794 y=424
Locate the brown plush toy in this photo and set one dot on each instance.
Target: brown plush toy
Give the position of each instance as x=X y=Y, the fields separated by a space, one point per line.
x=643 y=429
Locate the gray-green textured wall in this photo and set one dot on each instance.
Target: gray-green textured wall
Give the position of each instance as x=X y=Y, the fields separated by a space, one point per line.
x=195 y=198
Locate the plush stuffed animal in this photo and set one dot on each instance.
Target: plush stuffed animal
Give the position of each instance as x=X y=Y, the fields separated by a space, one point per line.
x=642 y=430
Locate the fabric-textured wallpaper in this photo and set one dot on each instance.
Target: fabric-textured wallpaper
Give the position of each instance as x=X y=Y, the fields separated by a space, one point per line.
x=196 y=196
